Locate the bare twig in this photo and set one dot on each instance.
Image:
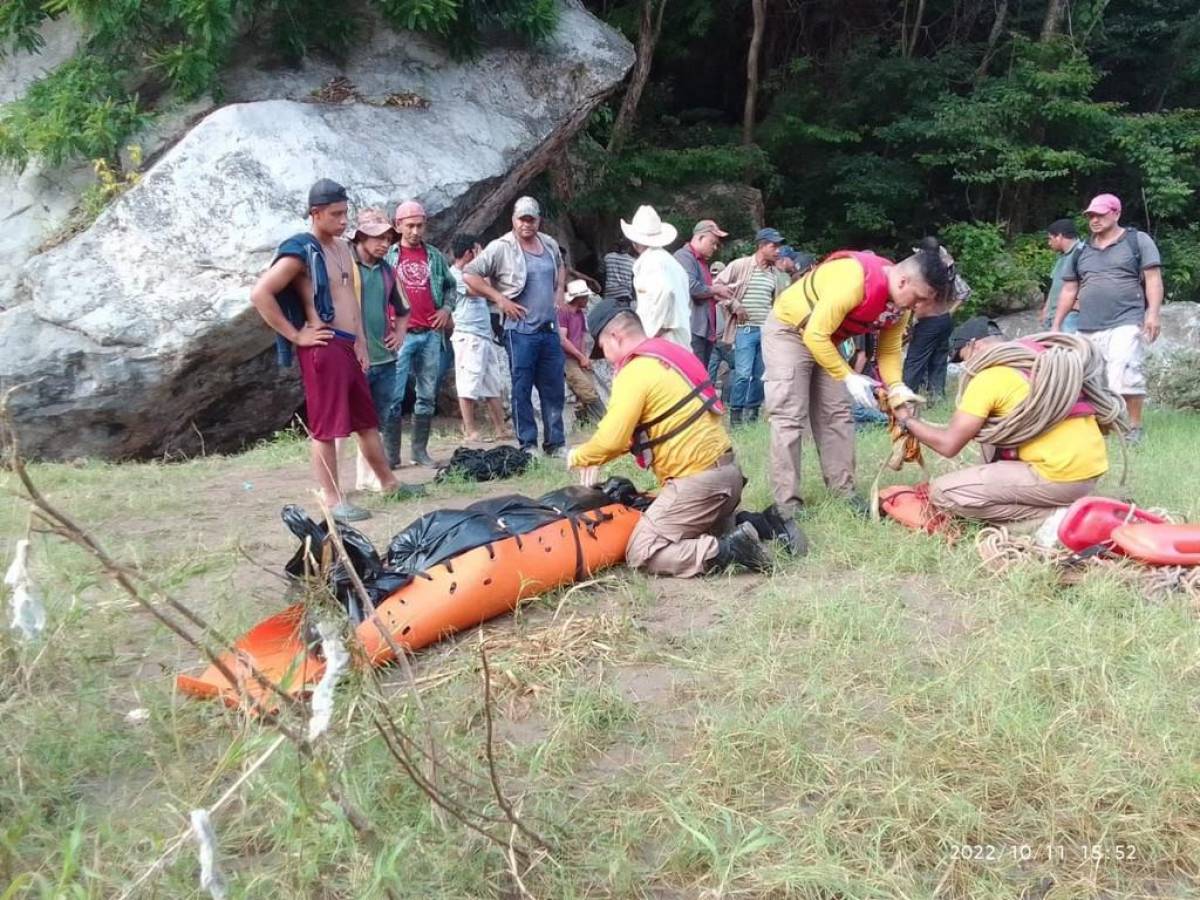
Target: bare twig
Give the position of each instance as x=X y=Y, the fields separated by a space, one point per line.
x=491 y=756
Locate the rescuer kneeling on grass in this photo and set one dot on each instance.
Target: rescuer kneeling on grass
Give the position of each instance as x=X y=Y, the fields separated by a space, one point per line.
x=666 y=412
x=1036 y=406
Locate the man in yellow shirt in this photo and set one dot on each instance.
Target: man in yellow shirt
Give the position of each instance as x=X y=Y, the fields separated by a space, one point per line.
x=665 y=411
x=807 y=383
x=1029 y=481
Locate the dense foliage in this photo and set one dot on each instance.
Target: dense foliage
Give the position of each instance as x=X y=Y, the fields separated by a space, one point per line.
x=877 y=121
x=983 y=122
x=138 y=50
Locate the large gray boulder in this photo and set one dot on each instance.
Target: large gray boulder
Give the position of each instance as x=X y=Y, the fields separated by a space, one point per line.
x=136 y=337
x=1180 y=327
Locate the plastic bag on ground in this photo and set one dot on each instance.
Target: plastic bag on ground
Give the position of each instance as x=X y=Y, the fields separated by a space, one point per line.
x=485 y=465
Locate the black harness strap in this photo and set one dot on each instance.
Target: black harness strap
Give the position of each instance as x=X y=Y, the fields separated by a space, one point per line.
x=642 y=444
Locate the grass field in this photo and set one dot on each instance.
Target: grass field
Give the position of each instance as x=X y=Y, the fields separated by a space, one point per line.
x=881 y=719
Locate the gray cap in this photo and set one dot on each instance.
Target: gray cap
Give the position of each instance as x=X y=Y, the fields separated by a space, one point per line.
x=325 y=192
x=527 y=206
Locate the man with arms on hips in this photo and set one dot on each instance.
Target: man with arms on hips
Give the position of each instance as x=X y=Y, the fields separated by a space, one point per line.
x=1063 y=238
x=665 y=411
x=660 y=285
x=809 y=385
x=526 y=267
x=309 y=296
x=1024 y=483
x=431 y=291
x=695 y=258
x=1116 y=277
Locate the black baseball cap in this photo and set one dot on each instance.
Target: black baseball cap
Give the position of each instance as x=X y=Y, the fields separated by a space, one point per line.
x=325 y=192
x=599 y=317
x=973 y=329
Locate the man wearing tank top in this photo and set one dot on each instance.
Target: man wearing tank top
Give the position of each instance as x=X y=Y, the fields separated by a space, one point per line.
x=522 y=272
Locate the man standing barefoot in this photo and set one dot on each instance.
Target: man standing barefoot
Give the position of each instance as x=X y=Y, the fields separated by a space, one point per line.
x=309 y=297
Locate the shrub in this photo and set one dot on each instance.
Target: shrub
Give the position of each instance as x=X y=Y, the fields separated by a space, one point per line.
x=1180 y=249
x=1003 y=277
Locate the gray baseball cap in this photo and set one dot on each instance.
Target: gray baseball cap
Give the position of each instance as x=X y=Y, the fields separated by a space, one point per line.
x=527 y=206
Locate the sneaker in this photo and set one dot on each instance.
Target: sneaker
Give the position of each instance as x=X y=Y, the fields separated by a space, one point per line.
x=348 y=512
x=1134 y=436
x=532 y=450
x=559 y=452
x=741 y=547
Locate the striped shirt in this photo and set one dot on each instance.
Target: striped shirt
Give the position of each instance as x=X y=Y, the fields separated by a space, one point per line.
x=618 y=277
x=759 y=297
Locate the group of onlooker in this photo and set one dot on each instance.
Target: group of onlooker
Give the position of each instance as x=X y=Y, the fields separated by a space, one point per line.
x=372 y=315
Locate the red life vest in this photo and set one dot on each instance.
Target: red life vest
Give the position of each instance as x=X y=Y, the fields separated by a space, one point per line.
x=1080 y=409
x=875 y=312
x=703 y=394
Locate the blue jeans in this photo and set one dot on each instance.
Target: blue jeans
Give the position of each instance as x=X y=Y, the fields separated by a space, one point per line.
x=537 y=361
x=747 y=368
x=381 y=378
x=420 y=356
x=721 y=353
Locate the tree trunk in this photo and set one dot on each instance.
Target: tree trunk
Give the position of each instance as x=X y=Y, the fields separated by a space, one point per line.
x=648 y=32
x=759 y=8
x=1056 y=11
x=916 y=30
x=993 y=38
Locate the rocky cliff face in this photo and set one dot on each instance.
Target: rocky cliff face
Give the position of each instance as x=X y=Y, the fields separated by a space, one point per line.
x=136 y=337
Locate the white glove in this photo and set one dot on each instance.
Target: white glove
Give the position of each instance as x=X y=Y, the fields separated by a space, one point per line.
x=900 y=393
x=862 y=390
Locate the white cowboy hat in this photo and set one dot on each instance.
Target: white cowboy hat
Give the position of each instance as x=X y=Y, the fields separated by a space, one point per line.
x=576 y=289
x=648 y=229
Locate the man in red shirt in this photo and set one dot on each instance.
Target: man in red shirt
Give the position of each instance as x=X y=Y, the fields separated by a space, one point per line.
x=430 y=290
x=572 y=331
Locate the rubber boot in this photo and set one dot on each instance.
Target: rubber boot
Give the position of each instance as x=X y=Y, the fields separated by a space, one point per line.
x=740 y=547
x=420 y=441
x=390 y=433
x=735 y=418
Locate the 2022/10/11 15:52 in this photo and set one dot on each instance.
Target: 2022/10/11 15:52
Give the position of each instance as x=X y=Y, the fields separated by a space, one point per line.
x=1044 y=852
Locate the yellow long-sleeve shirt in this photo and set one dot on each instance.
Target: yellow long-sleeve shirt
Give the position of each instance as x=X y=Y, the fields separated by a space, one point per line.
x=644 y=389
x=1072 y=450
x=838 y=287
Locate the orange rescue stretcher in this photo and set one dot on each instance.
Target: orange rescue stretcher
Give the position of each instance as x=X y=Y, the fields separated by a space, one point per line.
x=459 y=593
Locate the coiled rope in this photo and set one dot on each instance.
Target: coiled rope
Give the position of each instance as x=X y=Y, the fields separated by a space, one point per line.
x=1068 y=368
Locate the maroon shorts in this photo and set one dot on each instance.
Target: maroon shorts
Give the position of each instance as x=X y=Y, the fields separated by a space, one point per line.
x=336 y=392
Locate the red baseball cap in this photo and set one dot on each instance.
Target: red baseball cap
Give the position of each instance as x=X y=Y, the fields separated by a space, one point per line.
x=1103 y=204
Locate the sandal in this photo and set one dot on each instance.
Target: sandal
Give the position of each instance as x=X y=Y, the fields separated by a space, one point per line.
x=348 y=512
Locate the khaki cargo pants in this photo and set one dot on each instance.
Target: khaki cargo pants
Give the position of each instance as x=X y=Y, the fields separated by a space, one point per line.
x=677 y=534
x=1006 y=491
x=581 y=382
x=800 y=396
